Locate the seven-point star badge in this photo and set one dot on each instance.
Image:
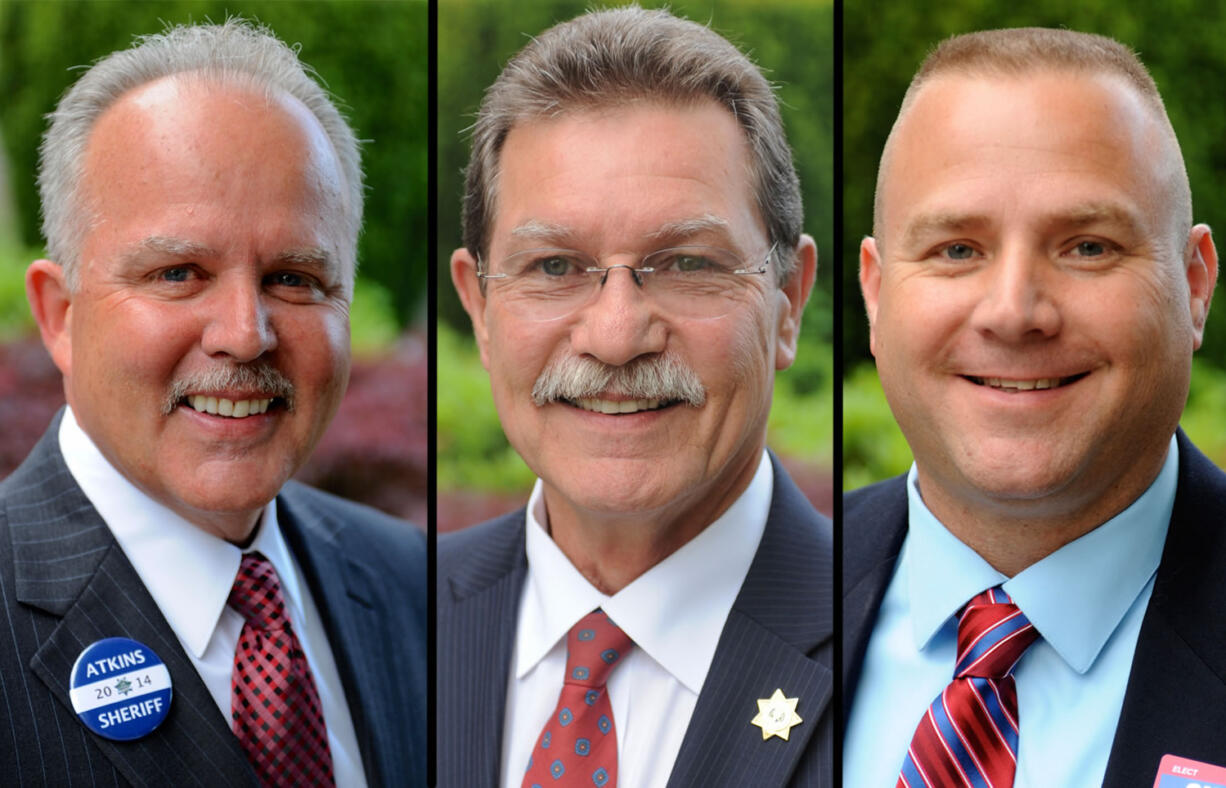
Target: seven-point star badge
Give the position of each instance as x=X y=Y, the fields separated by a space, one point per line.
x=776 y=715
x=123 y=686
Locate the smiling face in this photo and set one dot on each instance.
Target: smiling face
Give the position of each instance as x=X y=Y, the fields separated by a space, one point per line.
x=617 y=184
x=211 y=285
x=1034 y=302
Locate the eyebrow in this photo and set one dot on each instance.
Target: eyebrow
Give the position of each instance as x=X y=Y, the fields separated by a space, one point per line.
x=164 y=245
x=537 y=230
x=1074 y=217
x=313 y=256
x=685 y=228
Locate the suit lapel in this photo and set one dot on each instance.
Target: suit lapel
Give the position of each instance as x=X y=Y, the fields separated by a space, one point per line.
x=777 y=636
x=875 y=523
x=67 y=563
x=1176 y=697
x=352 y=602
x=481 y=572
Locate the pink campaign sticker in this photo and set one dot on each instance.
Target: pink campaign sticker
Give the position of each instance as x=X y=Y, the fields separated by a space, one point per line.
x=1176 y=772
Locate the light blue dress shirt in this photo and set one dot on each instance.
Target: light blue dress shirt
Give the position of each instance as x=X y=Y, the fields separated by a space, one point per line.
x=1086 y=600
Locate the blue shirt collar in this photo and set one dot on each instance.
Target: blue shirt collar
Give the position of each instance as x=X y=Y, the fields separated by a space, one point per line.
x=1075 y=597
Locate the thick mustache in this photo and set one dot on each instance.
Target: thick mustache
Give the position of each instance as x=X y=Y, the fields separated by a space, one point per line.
x=650 y=377
x=258 y=378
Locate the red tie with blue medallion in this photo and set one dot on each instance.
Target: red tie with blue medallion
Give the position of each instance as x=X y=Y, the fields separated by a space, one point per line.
x=578 y=746
x=969 y=735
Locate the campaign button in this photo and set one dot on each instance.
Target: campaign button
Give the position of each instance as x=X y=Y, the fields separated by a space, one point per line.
x=120 y=689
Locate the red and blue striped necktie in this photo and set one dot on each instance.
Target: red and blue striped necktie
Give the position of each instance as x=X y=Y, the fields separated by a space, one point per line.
x=968 y=736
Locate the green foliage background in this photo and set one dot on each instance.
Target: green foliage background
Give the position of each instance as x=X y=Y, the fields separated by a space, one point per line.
x=371 y=55
x=883 y=44
x=793 y=41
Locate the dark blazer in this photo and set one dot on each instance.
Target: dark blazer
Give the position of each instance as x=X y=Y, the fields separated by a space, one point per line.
x=778 y=635
x=65 y=583
x=1175 y=702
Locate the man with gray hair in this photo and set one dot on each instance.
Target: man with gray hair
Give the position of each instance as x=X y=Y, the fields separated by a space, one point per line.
x=178 y=611
x=1038 y=602
x=635 y=271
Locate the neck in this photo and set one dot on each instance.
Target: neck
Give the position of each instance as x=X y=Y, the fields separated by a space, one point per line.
x=1011 y=533
x=612 y=549
x=237 y=528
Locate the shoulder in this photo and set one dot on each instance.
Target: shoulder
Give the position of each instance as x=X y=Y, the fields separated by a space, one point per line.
x=790 y=504
x=876 y=500
x=358 y=529
x=493 y=547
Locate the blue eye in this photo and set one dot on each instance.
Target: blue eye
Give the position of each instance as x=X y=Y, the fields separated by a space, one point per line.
x=959 y=252
x=689 y=263
x=288 y=279
x=1091 y=249
x=181 y=274
x=553 y=266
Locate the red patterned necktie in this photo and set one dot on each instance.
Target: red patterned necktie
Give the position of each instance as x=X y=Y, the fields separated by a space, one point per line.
x=968 y=736
x=578 y=746
x=275 y=708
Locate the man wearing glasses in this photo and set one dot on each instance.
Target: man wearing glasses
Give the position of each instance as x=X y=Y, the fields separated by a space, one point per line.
x=635 y=273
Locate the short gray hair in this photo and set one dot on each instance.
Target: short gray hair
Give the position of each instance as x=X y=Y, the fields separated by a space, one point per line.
x=618 y=55
x=234 y=52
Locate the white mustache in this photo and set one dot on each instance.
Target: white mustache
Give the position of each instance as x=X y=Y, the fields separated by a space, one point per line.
x=262 y=378
x=649 y=377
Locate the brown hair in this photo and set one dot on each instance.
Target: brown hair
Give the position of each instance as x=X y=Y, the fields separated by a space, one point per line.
x=613 y=56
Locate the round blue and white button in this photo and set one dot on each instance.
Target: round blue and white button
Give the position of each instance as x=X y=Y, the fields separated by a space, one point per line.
x=120 y=689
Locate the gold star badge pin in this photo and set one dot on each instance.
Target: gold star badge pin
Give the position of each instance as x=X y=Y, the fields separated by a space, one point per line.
x=776 y=715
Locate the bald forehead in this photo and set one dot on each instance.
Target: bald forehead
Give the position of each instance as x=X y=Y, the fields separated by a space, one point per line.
x=1098 y=113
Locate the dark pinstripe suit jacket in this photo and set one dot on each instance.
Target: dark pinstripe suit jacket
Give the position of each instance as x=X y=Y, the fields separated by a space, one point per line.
x=1175 y=702
x=778 y=635
x=65 y=583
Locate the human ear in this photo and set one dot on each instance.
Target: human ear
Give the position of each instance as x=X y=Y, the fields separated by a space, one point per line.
x=51 y=303
x=1201 y=270
x=870 y=286
x=468 y=286
x=796 y=291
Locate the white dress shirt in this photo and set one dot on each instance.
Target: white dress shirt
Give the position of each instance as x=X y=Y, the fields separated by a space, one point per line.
x=1086 y=600
x=674 y=612
x=189 y=574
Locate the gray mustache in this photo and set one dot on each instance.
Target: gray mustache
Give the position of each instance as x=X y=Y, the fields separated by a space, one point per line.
x=649 y=377
x=263 y=378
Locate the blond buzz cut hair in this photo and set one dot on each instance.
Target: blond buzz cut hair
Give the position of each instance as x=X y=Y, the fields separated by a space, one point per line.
x=1022 y=51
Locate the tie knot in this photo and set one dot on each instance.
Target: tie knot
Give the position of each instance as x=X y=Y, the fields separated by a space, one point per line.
x=256 y=594
x=992 y=636
x=594 y=646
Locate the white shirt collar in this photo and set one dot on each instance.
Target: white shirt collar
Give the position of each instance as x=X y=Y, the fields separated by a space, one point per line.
x=674 y=611
x=1075 y=597
x=187 y=571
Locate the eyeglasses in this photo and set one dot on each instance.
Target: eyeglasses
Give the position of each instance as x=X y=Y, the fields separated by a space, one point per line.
x=687 y=281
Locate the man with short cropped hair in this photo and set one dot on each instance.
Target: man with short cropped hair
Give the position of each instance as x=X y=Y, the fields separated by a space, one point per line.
x=635 y=271
x=178 y=611
x=1038 y=601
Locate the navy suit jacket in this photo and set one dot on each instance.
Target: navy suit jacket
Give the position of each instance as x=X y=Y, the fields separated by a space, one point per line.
x=65 y=583
x=779 y=634
x=1175 y=701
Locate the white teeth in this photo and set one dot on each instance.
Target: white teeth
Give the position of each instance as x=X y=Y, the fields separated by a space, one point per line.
x=236 y=409
x=618 y=406
x=1022 y=385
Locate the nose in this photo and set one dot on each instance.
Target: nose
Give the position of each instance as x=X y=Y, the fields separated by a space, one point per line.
x=237 y=322
x=620 y=323
x=1019 y=303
